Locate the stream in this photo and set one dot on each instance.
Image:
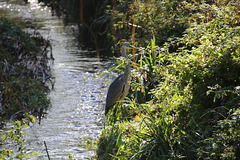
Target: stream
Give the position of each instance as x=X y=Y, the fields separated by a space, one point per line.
x=77 y=106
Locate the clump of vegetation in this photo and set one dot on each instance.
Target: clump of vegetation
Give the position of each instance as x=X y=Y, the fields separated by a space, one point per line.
x=24 y=72
x=25 y=80
x=17 y=136
x=184 y=98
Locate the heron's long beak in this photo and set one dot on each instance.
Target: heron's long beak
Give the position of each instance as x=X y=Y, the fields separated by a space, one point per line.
x=132 y=47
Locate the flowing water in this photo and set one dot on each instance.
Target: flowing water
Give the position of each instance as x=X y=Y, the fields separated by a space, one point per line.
x=77 y=107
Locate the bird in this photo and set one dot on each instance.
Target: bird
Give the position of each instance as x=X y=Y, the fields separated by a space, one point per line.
x=119 y=88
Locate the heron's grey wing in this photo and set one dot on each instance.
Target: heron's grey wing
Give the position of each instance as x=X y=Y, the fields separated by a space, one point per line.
x=115 y=90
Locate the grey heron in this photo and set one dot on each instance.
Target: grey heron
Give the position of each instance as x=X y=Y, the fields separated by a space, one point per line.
x=119 y=88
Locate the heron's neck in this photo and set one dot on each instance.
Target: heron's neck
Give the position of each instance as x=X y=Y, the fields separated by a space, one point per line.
x=127 y=71
x=124 y=53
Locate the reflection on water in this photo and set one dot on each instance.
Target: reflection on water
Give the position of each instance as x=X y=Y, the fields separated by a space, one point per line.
x=77 y=107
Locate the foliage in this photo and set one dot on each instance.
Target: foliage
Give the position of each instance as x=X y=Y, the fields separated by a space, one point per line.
x=184 y=98
x=84 y=14
x=24 y=71
x=223 y=144
x=25 y=76
x=109 y=144
x=17 y=136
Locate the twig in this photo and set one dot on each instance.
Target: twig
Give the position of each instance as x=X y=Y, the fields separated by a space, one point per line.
x=46 y=150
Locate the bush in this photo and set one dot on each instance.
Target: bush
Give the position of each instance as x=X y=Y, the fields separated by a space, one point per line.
x=24 y=71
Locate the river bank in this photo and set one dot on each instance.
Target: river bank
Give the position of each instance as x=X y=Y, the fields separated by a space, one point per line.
x=25 y=72
x=184 y=96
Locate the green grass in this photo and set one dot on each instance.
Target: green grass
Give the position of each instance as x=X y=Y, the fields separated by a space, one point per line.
x=184 y=97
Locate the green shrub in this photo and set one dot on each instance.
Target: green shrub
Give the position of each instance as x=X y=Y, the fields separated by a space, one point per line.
x=24 y=71
x=223 y=144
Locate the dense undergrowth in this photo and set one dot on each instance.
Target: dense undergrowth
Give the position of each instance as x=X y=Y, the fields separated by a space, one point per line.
x=24 y=71
x=25 y=80
x=185 y=91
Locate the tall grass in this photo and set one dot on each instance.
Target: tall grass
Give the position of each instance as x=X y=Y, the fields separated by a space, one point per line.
x=184 y=97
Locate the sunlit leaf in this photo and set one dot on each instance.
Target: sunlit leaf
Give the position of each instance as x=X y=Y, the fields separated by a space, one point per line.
x=5 y=136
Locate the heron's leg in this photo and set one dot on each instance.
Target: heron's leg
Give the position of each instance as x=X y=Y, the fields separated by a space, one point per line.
x=122 y=111
x=114 y=112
